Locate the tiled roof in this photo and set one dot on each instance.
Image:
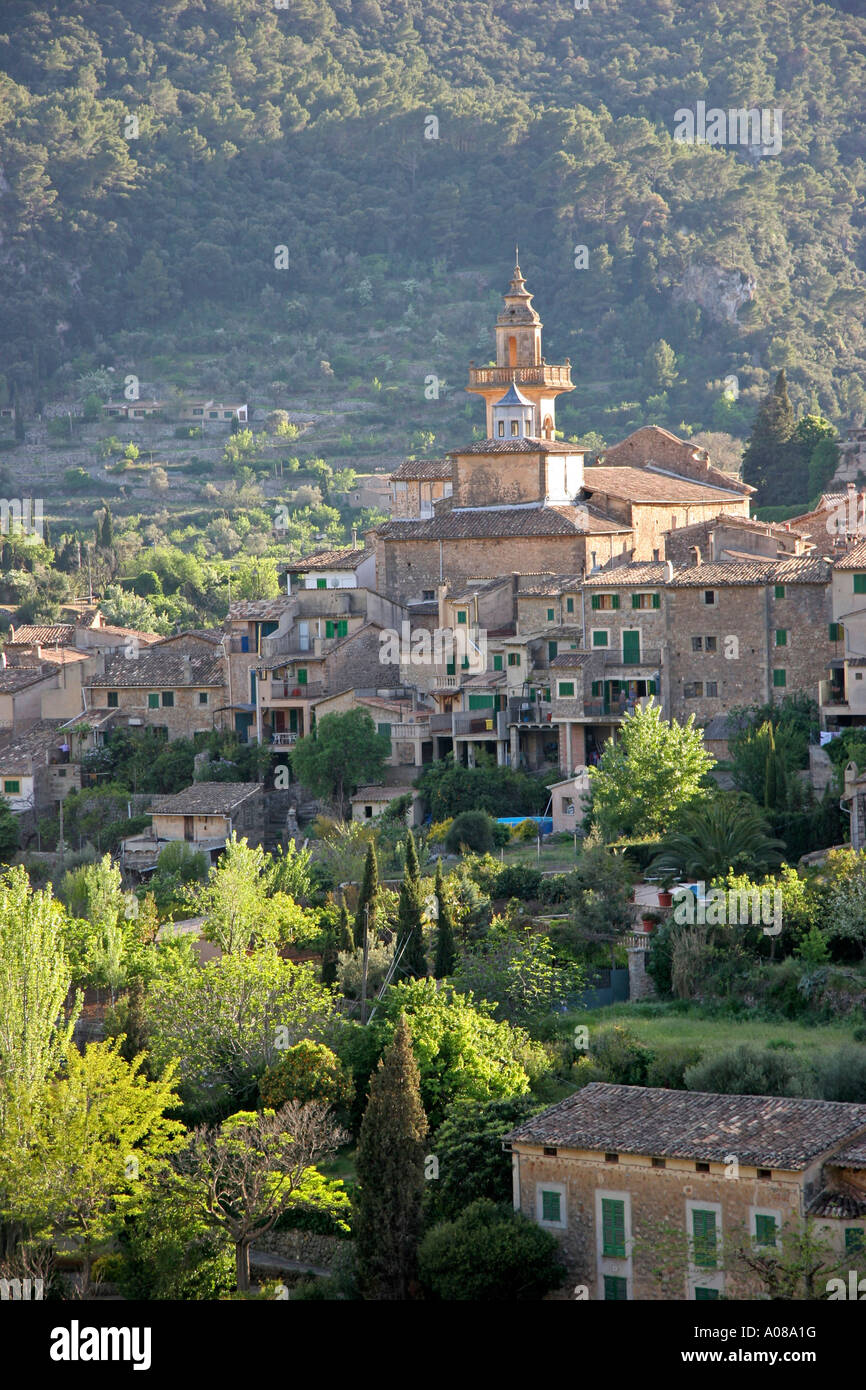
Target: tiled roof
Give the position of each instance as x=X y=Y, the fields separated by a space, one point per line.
x=571 y=659
x=853 y=1155
x=24 y=749
x=116 y=631
x=635 y=574
x=378 y=792
x=157 y=670
x=493 y=522
x=745 y=523
x=766 y=1131
x=214 y=635
x=16 y=678
x=518 y=446
x=206 y=799
x=855 y=559
x=422 y=471
x=844 y=1206
x=260 y=609
x=649 y=485
x=348 y=557
x=792 y=569
x=60 y=634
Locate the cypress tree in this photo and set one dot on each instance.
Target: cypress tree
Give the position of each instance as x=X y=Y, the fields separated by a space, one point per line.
x=390 y=1167
x=344 y=931
x=328 y=975
x=368 y=895
x=410 y=917
x=106 y=535
x=771 y=454
x=446 y=954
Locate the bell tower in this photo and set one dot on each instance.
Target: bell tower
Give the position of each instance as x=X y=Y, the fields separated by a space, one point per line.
x=519 y=363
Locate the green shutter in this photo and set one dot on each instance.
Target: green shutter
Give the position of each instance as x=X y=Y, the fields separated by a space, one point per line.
x=651 y=688
x=550 y=615
x=635 y=600
x=343 y=627
x=860 y=583
x=615 y=600
x=613 y=1228
x=153 y=701
x=481 y=702
x=461 y=615
x=552 y=650
x=780 y=591
x=835 y=632
x=599 y=638
x=569 y=605
x=596 y=689
x=497 y=661
x=657 y=600
x=329 y=628
x=780 y=677
x=704 y=1233
x=566 y=688
x=705 y=1295
x=385 y=729
x=765 y=1230
x=781 y=637
x=615 y=1289
x=551 y=1206
x=595 y=601
x=321 y=583
x=302 y=676
x=450 y=668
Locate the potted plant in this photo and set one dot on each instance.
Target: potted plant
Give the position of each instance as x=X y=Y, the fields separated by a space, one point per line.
x=666 y=897
x=650 y=918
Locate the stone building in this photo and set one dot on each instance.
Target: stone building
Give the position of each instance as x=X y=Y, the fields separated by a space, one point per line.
x=204 y=815
x=648 y=1190
x=178 y=694
x=416 y=485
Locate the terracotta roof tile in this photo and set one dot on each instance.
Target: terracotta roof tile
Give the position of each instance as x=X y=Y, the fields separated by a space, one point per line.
x=422 y=470
x=469 y=524
x=346 y=558
x=650 y=485
x=159 y=669
x=206 y=799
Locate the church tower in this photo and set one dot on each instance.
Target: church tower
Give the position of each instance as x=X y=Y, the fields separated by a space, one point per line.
x=520 y=366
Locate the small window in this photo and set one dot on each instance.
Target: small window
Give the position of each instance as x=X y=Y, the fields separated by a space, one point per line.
x=613 y=1228
x=11 y=786
x=860 y=583
x=658 y=1163
x=765 y=1172
x=153 y=700
x=710 y=644
x=551 y=1206
x=515 y=427
x=704 y=1238
x=514 y=658
x=428 y=595
x=368 y=812
x=565 y=688
x=167 y=699
x=709 y=597
x=765 y=1230
x=605 y=602
x=780 y=678
x=497 y=661
x=550 y=1153
x=461 y=615
x=599 y=637
x=112 y=699
x=781 y=637
x=615 y=1289
x=645 y=601
x=697 y=644
x=705 y=1295
x=203 y=697
x=450 y=668
x=569 y=605
x=702 y=1167
x=321 y=583
x=712 y=689
x=550 y=615
x=779 y=591
x=835 y=632
x=611 y=1158
x=694 y=691
x=501 y=428
x=302 y=675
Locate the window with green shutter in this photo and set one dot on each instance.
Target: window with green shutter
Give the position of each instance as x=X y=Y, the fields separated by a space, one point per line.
x=780 y=677
x=780 y=591
x=860 y=583
x=450 y=668
x=854 y=1239
x=596 y=689
x=112 y=699
x=552 y=650
x=321 y=583
x=615 y=1289
x=550 y=615
x=595 y=601
x=153 y=700
x=343 y=627
x=12 y=786
x=461 y=615
x=781 y=637
x=384 y=729
x=613 y=1228
x=705 y=1295
x=615 y=603
x=569 y=605
x=329 y=628
x=168 y=699
x=657 y=600
x=464 y=665
x=514 y=658
x=835 y=632
x=704 y=1238
x=651 y=688
x=481 y=701
x=765 y=1230
x=599 y=637
x=635 y=601
x=565 y=688
x=302 y=675
x=551 y=1206
x=497 y=661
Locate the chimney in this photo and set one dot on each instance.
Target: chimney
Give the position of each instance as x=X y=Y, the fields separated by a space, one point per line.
x=669 y=571
x=695 y=553
x=851 y=509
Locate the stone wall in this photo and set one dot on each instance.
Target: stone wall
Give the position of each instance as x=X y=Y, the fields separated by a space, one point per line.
x=307 y=1247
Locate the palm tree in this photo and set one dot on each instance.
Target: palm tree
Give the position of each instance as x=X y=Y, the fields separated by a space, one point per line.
x=723 y=835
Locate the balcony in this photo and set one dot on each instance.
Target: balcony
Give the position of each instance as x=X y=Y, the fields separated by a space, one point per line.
x=271 y=691
x=290 y=645
x=284 y=739
x=600 y=709
x=420 y=728
x=529 y=712
x=543 y=374
x=480 y=724
x=441 y=723
x=649 y=656
x=447 y=682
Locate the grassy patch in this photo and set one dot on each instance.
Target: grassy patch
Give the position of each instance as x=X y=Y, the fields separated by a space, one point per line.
x=670 y=1029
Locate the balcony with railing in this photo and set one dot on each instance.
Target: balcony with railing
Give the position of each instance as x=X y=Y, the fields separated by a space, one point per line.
x=283 y=738
x=273 y=691
x=480 y=724
x=419 y=728
x=646 y=656
x=442 y=724
x=529 y=712
x=541 y=374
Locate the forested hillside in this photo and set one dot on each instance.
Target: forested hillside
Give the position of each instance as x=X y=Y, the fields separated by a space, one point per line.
x=305 y=126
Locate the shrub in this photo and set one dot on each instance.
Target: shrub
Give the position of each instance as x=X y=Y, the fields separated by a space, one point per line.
x=474 y=829
x=489 y=1254
x=553 y=889
x=621 y=1056
x=669 y=1065
x=517 y=881
x=308 y=1071
x=748 y=1071
x=841 y=1074
x=439 y=830
x=526 y=830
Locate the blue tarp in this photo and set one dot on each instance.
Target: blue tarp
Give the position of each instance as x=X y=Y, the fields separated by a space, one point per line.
x=545 y=823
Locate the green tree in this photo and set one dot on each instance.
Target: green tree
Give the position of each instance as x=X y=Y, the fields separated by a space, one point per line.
x=234 y=900
x=343 y=751
x=769 y=455
x=660 y=365
x=468 y=1146
x=490 y=1253
x=307 y=1071
x=410 y=916
x=368 y=898
x=9 y=831
x=446 y=950
x=649 y=774
x=844 y=897
x=241 y=1177
x=390 y=1167
x=726 y=834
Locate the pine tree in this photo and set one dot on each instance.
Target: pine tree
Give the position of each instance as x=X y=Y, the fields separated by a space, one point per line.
x=368 y=895
x=106 y=534
x=344 y=931
x=410 y=917
x=771 y=456
x=390 y=1167
x=446 y=954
